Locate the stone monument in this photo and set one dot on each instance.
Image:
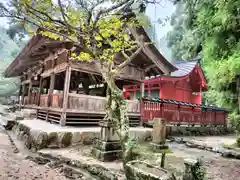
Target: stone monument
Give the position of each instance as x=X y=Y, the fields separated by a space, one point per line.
x=159 y=133
x=107 y=147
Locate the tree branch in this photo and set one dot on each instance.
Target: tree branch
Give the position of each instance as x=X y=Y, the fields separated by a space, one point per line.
x=63 y=16
x=127 y=61
x=110 y=9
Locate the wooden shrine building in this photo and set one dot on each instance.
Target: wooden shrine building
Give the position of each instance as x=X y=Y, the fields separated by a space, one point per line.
x=185 y=84
x=69 y=92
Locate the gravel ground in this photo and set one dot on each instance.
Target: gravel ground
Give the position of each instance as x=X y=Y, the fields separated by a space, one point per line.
x=218 y=168
x=15 y=166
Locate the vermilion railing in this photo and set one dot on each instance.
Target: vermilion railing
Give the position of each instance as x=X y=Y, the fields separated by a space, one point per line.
x=181 y=113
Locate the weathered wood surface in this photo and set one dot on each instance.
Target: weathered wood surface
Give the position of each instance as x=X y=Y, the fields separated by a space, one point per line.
x=96 y=104
x=25 y=100
x=129 y=72
x=43 y=100
x=58 y=68
x=33 y=98
x=57 y=100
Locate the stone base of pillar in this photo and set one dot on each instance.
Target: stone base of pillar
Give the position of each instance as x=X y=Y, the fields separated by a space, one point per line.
x=107 y=150
x=159 y=146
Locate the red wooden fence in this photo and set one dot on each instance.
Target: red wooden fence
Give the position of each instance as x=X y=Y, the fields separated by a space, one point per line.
x=181 y=113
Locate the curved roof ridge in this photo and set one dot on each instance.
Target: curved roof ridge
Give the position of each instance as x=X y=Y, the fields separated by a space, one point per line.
x=184 y=67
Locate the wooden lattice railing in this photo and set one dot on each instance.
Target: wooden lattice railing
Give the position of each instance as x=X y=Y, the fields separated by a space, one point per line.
x=96 y=104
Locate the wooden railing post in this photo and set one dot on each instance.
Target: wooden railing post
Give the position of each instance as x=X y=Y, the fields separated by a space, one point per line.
x=65 y=95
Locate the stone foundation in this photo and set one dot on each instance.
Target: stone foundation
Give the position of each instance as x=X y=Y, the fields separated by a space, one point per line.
x=197 y=130
x=107 y=150
x=39 y=134
x=38 y=139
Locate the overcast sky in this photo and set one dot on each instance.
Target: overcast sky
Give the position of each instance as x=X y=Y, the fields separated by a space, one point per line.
x=153 y=11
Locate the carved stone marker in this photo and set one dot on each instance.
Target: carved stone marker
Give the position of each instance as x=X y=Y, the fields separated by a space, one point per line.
x=159 y=133
x=108 y=147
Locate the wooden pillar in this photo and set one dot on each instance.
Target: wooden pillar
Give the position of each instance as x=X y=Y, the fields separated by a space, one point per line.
x=149 y=91
x=65 y=95
x=40 y=91
x=142 y=103
x=19 y=95
x=51 y=88
x=29 y=92
x=23 y=94
x=200 y=94
x=135 y=94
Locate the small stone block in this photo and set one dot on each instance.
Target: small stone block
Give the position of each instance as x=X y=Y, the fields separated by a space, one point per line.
x=106 y=155
x=159 y=146
x=108 y=146
x=190 y=162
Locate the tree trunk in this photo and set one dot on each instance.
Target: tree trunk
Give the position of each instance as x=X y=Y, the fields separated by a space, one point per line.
x=116 y=112
x=238 y=93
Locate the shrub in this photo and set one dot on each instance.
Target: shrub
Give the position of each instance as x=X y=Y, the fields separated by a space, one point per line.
x=238 y=141
x=235 y=121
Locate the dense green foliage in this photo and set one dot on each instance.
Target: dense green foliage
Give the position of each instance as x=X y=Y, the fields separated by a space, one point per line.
x=210 y=28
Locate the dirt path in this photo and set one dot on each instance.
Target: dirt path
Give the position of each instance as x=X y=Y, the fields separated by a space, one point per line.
x=15 y=166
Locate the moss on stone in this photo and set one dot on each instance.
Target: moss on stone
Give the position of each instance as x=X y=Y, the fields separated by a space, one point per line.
x=52 y=138
x=65 y=139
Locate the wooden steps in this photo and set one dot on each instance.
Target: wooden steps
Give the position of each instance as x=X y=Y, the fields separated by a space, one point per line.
x=76 y=119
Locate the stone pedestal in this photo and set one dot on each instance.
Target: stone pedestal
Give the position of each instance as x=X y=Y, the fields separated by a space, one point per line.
x=159 y=133
x=108 y=147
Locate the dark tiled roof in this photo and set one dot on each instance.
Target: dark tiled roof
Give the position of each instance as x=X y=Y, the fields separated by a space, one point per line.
x=184 y=67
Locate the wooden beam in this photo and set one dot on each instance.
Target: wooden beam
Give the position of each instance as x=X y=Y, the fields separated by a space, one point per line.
x=142 y=89
x=65 y=95
x=26 y=82
x=163 y=65
x=149 y=67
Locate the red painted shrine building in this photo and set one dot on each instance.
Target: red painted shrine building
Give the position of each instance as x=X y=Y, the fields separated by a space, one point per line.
x=186 y=84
